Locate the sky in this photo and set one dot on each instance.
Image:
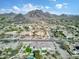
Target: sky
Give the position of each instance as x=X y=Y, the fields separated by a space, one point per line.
x=52 y=6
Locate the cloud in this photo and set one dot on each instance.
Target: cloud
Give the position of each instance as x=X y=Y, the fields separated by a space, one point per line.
x=60 y=6
x=65 y=3
x=53 y=0
x=16 y=9
x=28 y=7
x=47 y=7
x=5 y=11
x=24 y=9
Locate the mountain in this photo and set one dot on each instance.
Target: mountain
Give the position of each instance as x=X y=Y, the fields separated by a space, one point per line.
x=19 y=18
x=8 y=14
x=35 y=13
x=38 y=15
